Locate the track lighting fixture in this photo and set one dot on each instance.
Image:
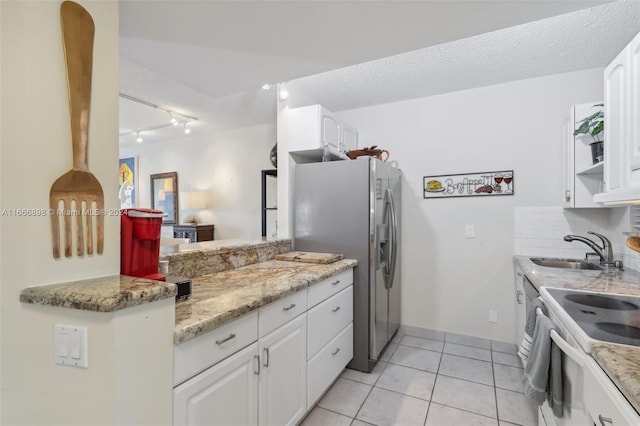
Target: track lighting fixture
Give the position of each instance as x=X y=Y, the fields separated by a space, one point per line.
x=175 y=119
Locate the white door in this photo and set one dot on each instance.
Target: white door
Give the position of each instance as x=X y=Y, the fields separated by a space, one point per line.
x=615 y=149
x=225 y=394
x=283 y=375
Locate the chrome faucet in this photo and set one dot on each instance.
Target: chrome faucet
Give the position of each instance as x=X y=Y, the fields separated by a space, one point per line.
x=605 y=252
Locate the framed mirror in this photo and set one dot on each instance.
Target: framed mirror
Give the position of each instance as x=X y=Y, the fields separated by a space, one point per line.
x=164 y=196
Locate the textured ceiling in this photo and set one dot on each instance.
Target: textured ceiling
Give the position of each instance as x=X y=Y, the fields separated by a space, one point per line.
x=224 y=47
x=585 y=39
x=209 y=59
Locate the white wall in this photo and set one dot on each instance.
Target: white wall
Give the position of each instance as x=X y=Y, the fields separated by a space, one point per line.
x=227 y=165
x=35 y=149
x=451 y=282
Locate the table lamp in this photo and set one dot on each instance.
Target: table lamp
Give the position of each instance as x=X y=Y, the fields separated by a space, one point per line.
x=193 y=200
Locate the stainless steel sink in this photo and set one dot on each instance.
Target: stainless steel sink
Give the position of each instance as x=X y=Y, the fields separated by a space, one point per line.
x=565 y=263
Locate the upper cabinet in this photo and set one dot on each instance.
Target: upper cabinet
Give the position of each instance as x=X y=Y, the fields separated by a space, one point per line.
x=583 y=159
x=314 y=130
x=622 y=128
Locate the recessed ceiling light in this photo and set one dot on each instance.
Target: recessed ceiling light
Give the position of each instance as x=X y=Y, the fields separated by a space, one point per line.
x=266 y=86
x=283 y=93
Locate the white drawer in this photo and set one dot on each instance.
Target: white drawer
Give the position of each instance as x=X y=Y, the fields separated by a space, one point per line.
x=199 y=353
x=325 y=320
x=326 y=288
x=323 y=368
x=275 y=314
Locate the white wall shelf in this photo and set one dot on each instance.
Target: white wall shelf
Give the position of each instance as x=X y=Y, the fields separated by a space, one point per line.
x=583 y=179
x=595 y=169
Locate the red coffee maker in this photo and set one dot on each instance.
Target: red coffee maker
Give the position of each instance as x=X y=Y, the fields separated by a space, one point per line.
x=140 y=243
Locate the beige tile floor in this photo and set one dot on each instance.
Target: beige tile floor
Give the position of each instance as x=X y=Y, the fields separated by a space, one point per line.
x=448 y=380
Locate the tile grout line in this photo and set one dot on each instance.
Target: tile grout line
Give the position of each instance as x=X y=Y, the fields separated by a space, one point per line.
x=434 y=387
x=495 y=389
x=373 y=386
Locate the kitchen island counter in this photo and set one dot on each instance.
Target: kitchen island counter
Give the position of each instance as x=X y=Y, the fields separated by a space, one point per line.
x=620 y=362
x=223 y=296
x=102 y=294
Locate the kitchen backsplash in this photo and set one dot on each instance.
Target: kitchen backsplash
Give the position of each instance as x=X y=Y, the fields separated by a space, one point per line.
x=539 y=231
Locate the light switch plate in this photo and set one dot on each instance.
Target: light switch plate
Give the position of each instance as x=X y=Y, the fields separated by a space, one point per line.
x=470 y=231
x=70 y=345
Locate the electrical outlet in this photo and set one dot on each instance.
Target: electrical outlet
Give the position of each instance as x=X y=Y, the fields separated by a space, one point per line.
x=470 y=231
x=493 y=316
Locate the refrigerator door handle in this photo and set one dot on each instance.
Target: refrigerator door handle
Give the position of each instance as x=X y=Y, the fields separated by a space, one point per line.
x=390 y=267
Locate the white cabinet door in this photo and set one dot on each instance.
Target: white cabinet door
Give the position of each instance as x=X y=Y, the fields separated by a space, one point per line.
x=622 y=128
x=615 y=134
x=330 y=126
x=283 y=375
x=349 y=138
x=225 y=394
x=633 y=71
x=311 y=127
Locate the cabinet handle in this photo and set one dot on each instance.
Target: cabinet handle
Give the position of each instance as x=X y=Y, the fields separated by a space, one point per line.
x=226 y=339
x=266 y=352
x=604 y=420
x=336 y=282
x=293 y=305
x=257 y=358
x=519 y=297
x=336 y=309
x=336 y=351
x=519 y=274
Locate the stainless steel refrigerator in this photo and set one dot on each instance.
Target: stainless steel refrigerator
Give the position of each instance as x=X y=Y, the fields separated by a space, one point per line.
x=353 y=207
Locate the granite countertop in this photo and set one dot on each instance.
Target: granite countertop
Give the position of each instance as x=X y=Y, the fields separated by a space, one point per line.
x=622 y=365
x=223 y=296
x=104 y=294
x=620 y=362
x=620 y=282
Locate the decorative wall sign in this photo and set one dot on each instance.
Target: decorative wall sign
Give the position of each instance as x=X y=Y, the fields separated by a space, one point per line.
x=127 y=181
x=469 y=184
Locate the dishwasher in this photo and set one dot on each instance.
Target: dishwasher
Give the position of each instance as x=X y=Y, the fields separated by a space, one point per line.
x=525 y=293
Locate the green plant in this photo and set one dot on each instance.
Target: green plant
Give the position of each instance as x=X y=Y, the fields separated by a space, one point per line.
x=593 y=125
